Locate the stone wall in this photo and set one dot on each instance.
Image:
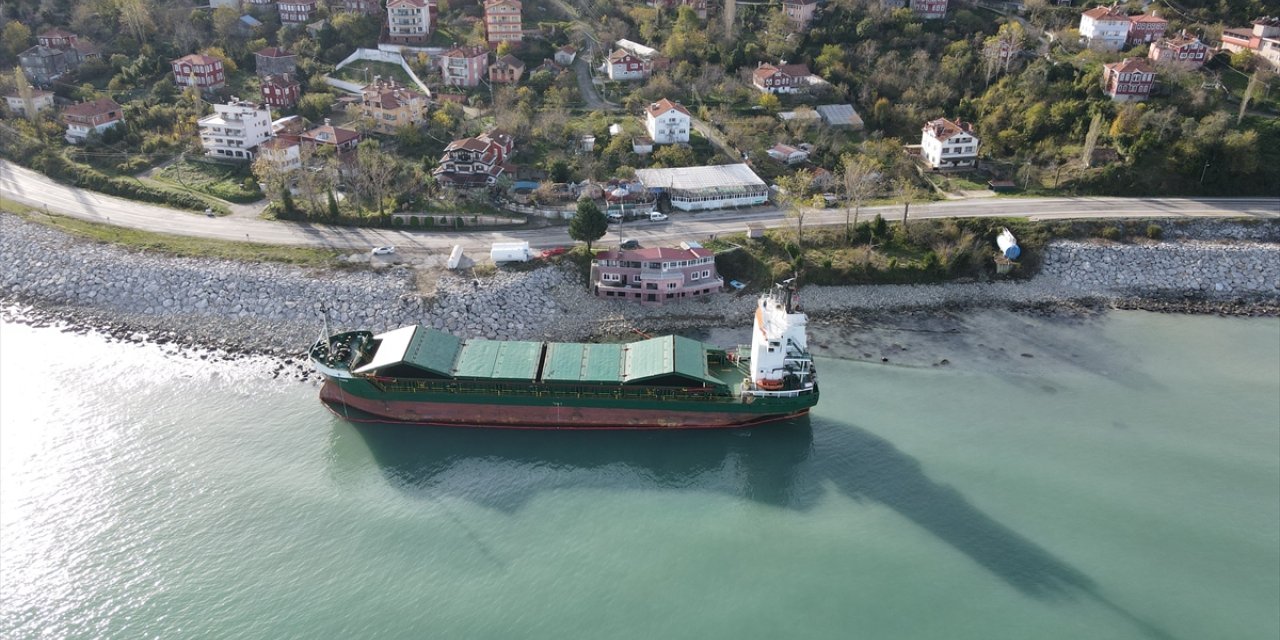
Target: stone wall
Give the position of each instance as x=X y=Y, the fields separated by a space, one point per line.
x=1166 y=268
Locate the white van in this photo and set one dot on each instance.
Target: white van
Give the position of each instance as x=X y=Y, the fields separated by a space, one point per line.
x=657 y=216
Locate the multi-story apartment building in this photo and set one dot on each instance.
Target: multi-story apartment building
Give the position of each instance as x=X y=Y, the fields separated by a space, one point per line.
x=667 y=122
x=799 y=12
x=199 y=70
x=502 y=21
x=1130 y=80
x=947 y=144
x=281 y=91
x=235 y=129
x=88 y=117
x=1263 y=40
x=1104 y=28
x=392 y=105
x=296 y=12
x=409 y=21
x=77 y=49
x=464 y=66
x=657 y=275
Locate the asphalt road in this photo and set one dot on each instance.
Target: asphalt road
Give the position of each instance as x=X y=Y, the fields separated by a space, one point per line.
x=31 y=188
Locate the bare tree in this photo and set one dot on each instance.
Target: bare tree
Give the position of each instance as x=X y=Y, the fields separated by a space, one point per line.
x=135 y=17
x=1091 y=139
x=791 y=194
x=270 y=172
x=860 y=181
x=906 y=191
x=376 y=172
x=26 y=94
x=1248 y=94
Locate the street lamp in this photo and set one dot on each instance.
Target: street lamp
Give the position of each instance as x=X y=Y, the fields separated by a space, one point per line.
x=1202 y=171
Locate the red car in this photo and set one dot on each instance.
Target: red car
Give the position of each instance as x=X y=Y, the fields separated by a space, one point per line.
x=554 y=251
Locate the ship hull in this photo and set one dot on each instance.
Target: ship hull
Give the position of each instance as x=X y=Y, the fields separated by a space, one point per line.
x=547 y=415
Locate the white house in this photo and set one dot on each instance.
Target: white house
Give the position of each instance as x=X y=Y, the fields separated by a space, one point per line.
x=948 y=145
x=40 y=100
x=623 y=65
x=787 y=154
x=1104 y=28
x=235 y=129
x=284 y=153
x=668 y=122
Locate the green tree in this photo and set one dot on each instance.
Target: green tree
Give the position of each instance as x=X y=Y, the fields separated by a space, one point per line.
x=333 y=205
x=16 y=37
x=589 y=223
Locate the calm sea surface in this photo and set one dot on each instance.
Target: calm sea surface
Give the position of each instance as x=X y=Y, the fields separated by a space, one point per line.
x=1122 y=482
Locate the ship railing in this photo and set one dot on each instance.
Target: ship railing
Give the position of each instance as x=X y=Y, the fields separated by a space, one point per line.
x=669 y=394
x=785 y=393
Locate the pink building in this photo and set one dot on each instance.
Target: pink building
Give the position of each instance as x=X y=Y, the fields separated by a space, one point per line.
x=1146 y=28
x=1182 y=50
x=655 y=276
x=502 y=21
x=281 y=91
x=199 y=70
x=1128 y=81
x=464 y=66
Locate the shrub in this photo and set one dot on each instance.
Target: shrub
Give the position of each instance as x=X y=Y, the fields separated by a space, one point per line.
x=1111 y=233
x=398 y=222
x=1154 y=231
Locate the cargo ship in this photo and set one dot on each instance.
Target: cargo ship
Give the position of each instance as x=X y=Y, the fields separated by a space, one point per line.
x=422 y=376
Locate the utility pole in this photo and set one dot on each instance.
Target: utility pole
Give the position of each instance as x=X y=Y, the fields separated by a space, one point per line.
x=1202 y=172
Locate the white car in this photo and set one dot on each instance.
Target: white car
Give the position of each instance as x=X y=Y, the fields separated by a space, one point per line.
x=657 y=216
x=383 y=251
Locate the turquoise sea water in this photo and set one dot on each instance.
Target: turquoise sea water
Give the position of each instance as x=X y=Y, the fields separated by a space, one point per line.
x=1122 y=483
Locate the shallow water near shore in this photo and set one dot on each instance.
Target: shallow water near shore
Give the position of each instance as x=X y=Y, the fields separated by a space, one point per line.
x=1119 y=480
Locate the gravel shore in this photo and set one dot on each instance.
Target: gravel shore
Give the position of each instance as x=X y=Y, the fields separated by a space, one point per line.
x=276 y=309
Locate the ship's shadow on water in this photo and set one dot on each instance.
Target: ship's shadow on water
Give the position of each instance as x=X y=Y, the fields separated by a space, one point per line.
x=788 y=465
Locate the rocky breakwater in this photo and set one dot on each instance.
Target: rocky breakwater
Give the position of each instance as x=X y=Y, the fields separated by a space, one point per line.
x=1199 y=269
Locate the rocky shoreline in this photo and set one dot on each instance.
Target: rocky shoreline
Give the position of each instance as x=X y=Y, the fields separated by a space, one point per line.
x=237 y=308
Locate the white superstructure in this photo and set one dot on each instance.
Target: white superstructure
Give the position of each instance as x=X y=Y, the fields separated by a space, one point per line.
x=780 y=360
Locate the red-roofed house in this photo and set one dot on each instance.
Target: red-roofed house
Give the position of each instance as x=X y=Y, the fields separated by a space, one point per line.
x=392 y=105
x=284 y=152
x=1180 y=50
x=782 y=78
x=1128 y=81
x=947 y=144
x=281 y=91
x=565 y=55
x=464 y=66
x=655 y=276
x=624 y=65
x=89 y=117
x=1104 y=28
x=199 y=70
x=475 y=162
x=343 y=141
x=787 y=154
x=668 y=122
x=1146 y=28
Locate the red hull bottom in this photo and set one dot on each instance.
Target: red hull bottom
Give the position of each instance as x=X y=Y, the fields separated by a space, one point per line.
x=442 y=414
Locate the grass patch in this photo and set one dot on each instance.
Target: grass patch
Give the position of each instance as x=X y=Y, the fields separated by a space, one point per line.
x=355 y=72
x=176 y=245
x=233 y=183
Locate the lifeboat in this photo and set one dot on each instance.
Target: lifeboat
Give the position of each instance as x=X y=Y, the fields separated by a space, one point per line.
x=770 y=385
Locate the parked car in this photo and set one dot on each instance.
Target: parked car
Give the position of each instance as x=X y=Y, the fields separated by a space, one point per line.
x=630 y=243
x=383 y=251
x=657 y=216
x=614 y=216
x=554 y=251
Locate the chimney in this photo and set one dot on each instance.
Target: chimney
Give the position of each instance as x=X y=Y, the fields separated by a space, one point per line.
x=326 y=122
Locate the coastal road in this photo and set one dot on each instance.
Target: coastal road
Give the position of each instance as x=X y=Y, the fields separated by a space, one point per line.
x=31 y=188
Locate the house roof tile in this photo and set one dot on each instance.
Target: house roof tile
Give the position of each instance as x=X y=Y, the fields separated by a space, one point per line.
x=664 y=105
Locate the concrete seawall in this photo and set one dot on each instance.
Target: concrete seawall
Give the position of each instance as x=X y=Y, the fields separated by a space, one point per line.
x=279 y=308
